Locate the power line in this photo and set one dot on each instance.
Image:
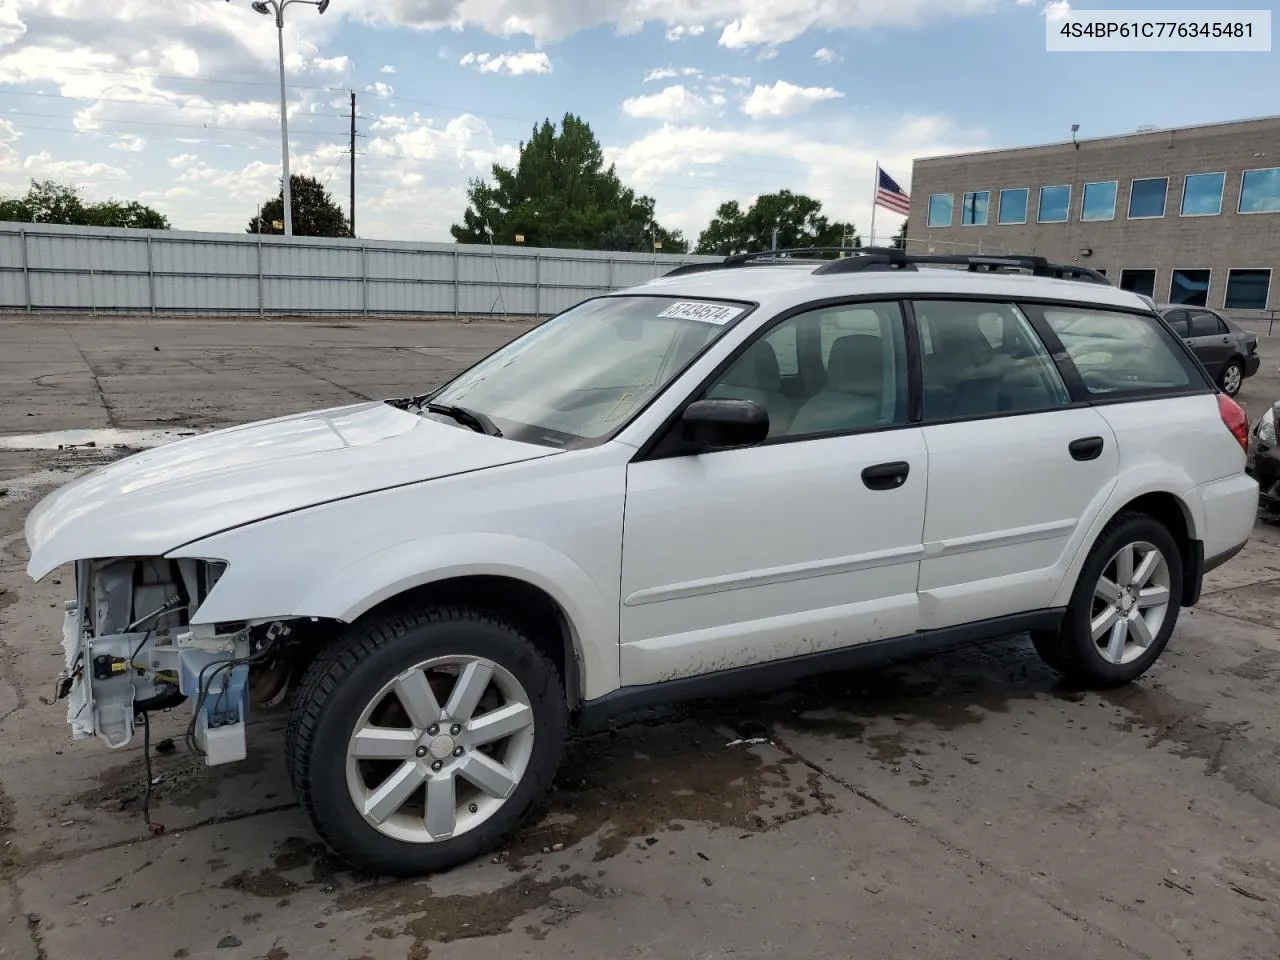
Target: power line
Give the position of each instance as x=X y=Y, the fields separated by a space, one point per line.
x=163 y=123
x=145 y=102
x=179 y=77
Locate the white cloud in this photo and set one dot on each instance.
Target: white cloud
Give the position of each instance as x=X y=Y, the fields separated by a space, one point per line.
x=680 y=32
x=388 y=69
x=742 y=23
x=783 y=99
x=380 y=89
x=826 y=55
x=465 y=141
x=673 y=103
x=43 y=165
x=667 y=73
x=1057 y=9
x=127 y=144
x=512 y=64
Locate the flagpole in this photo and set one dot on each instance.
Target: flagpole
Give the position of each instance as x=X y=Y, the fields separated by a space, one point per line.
x=875 y=194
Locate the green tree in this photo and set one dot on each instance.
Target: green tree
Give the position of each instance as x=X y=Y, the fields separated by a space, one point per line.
x=561 y=194
x=900 y=238
x=797 y=218
x=48 y=201
x=315 y=214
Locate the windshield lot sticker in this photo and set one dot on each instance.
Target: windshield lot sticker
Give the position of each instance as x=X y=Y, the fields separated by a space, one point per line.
x=716 y=313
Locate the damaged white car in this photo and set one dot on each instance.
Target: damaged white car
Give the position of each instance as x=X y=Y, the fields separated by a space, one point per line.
x=725 y=478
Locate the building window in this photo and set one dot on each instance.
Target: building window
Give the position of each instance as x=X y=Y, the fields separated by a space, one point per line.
x=974 y=211
x=1260 y=191
x=1013 y=205
x=1141 y=281
x=940 y=210
x=1054 y=204
x=1146 y=198
x=1247 y=289
x=1202 y=194
x=1099 y=201
x=1190 y=287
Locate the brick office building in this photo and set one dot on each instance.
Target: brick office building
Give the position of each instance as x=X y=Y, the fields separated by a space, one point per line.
x=1188 y=215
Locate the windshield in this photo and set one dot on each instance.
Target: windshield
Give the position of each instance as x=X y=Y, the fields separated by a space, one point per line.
x=582 y=375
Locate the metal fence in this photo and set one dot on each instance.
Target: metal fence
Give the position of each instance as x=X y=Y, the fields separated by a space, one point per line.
x=49 y=268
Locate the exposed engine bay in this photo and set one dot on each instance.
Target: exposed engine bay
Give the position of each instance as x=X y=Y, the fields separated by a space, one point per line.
x=130 y=649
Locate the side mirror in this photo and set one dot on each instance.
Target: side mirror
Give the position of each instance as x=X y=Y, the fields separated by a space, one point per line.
x=720 y=424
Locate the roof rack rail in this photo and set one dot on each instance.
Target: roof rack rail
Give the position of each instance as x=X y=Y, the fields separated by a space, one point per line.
x=892 y=258
x=790 y=254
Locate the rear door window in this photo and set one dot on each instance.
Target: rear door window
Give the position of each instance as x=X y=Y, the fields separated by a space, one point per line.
x=1205 y=324
x=1179 y=321
x=1120 y=354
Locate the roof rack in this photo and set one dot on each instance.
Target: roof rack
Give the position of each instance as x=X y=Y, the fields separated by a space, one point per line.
x=858 y=259
x=788 y=255
x=891 y=258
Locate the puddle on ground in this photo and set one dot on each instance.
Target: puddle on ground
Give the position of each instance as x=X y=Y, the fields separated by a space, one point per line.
x=91 y=438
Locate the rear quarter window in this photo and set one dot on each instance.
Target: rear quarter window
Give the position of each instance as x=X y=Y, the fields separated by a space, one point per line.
x=1119 y=354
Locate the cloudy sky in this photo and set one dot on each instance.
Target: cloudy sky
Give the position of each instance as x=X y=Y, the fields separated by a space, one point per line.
x=175 y=102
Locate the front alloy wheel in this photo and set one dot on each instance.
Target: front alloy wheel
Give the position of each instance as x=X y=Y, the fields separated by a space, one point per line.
x=440 y=748
x=420 y=740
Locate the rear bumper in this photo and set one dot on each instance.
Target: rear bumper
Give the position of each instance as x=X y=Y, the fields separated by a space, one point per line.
x=1264 y=467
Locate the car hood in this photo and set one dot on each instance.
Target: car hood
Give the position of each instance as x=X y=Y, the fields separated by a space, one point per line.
x=155 y=501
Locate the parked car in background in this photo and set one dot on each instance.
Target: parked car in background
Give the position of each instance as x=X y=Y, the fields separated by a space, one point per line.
x=1263 y=463
x=1227 y=352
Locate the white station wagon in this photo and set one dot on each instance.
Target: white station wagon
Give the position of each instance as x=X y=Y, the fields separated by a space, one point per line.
x=729 y=477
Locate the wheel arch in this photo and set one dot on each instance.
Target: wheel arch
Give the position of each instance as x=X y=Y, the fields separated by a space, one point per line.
x=1177 y=513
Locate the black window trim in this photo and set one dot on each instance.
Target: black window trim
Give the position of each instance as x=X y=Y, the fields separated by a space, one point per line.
x=664 y=442
x=1132 y=396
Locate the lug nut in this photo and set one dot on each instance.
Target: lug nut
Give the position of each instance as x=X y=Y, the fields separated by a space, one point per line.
x=457 y=751
x=455 y=729
x=472 y=807
x=437 y=765
x=421 y=751
x=433 y=729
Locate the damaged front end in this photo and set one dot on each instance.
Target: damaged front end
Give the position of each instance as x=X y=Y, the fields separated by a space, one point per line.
x=131 y=648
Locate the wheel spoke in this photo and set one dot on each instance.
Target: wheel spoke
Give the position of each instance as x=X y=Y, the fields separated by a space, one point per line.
x=487 y=774
x=384 y=743
x=1145 y=569
x=1115 y=649
x=419 y=702
x=1153 y=597
x=1103 y=622
x=442 y=806
x=394 y=791
x=1124 y=564
x=503 y=722
x=1139 y=630
x=1106 y=590
x=468 y=690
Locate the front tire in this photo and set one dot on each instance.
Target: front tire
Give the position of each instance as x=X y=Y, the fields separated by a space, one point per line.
x=1232 y=378
x=422 y=739
x=1124 y=606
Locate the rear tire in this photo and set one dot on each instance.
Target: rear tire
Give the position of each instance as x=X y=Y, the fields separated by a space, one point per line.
x=1232 y=378
x=1124 y=606
x=422 y=739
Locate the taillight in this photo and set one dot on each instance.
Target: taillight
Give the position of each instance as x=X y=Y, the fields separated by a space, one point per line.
x=1236 y=420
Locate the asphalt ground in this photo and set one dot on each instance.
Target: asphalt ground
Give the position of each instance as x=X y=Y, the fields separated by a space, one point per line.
x=966 y=806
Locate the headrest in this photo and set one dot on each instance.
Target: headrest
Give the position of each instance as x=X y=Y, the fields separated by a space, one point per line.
x=757 y=368
x=856 y=365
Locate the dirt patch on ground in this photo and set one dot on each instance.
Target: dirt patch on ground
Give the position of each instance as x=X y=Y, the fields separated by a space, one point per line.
x=181 y=779
x=408 y=909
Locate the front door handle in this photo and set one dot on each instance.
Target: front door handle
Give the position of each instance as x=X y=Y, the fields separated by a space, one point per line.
x=886 y=476
x=1086 y=448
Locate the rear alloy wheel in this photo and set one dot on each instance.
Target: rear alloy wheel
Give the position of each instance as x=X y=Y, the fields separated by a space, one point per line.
x=1124 y=607
x=1232 y=378
x=424 y=739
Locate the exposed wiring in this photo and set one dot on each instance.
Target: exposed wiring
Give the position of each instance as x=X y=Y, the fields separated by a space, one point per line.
x=202 y=686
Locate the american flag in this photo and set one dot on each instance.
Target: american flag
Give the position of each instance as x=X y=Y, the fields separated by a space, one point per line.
x=890 y=195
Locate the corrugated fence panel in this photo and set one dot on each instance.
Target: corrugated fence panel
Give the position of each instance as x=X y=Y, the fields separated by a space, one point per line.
x=50 y=267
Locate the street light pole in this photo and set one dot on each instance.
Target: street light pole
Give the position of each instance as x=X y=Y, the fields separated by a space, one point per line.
x=277 y=7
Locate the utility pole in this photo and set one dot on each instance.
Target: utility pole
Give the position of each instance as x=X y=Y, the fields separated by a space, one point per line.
x=353 y=163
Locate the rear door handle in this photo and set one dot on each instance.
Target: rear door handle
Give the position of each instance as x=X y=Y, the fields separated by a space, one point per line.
x=886 y=476
x=1086 y=448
